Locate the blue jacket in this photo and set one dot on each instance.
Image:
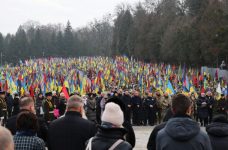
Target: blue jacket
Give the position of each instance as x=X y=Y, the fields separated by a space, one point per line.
x=182 y=133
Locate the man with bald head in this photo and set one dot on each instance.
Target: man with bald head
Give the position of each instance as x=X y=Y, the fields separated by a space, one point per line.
x=27 y=104
x=71 y=131
x=6 y=139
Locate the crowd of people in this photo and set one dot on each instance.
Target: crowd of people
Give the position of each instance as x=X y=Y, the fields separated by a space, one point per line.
x=92 y=103
x=53 y=120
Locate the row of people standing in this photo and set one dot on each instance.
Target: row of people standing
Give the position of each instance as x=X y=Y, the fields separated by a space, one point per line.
x=50 y=107
x=9 y=105
x=147 y=110
x=70 y=131
x=206 y=107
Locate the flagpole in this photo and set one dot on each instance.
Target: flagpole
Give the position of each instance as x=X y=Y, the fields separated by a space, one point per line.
x=1 y=58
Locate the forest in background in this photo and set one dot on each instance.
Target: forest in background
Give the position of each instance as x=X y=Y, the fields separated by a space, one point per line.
x=194 y=32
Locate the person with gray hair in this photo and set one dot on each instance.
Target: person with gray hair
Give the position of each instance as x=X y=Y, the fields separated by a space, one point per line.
x=6 y=139
x=72 y=130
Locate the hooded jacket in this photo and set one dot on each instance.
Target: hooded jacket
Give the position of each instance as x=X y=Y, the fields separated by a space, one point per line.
x=182 y=133
x=218 y=134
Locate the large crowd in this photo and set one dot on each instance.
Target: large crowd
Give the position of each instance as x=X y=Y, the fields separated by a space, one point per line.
x=62 y=103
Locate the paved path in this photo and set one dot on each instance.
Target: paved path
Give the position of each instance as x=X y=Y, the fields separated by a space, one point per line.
x=142 y=135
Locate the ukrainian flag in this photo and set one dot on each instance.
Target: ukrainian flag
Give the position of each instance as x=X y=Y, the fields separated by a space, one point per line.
x=170 y=89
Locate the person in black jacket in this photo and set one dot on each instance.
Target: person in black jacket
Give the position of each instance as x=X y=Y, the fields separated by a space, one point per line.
x=136 y=107
x=150 y=106
x=62 y=104
x=16 y=107
x=98 y=107
x=71 y=131
x=128 y=103
x=222 y=105
x=181 y=132
x=9 y=102
x=151 y=145
x=202 y=108
x=27 y=104
x=91 y=108
x=111 y=131
x=211 y=103
x=38 y=104
x=218 y=132
x=130 y=136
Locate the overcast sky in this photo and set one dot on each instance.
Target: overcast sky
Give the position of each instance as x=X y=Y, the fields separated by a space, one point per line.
x=16 y=12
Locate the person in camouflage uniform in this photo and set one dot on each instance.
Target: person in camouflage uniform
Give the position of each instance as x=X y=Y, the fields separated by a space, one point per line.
x=3 y=108
x=159 y=107
x=165 y=104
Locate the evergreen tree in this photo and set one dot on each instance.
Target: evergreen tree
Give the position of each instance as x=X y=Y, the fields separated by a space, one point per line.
x=68 y=41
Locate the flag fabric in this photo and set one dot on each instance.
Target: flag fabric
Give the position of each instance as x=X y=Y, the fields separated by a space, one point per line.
x=218 y=89
x=86 y=74
x=64 y=90
x=170 y=89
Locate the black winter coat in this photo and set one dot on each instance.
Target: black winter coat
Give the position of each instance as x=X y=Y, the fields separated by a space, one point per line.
x=149 y=101
x=151 y=145
x=222 y=106
x=202 y=108
x=62 y=106
x=16 y=107
x=127 y=101
x=9 y=101
x=91 y=109
x=70 y=132
x=136 y=101
x=130 y=136
x=98 y=109
x=218 y=134
x=106 y=137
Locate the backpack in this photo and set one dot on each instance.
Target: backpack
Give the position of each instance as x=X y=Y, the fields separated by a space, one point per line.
x=89 y=146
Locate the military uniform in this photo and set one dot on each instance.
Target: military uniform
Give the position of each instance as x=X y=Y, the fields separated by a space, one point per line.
x=159 y=108
x=150 y=106
x=3 y=111
x=137 y=106
x=165 y=104
x=48 y=109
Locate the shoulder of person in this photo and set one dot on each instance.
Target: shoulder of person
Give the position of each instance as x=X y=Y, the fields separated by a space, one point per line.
x=202 y=135
x=124 y=145
x=161 y=134
x=39 y=142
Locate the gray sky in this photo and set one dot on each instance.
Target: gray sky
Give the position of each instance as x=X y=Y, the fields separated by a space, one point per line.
x=16 y=12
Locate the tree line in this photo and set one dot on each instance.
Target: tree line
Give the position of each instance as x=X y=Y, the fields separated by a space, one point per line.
x=194 y=32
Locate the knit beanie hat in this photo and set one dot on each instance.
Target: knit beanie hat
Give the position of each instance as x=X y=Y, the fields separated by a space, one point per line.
x=113 y=114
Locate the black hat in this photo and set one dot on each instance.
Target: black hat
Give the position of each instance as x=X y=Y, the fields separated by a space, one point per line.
x=48 y=94
x=222 y=94
x=117 y=101
x=2 y=92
